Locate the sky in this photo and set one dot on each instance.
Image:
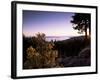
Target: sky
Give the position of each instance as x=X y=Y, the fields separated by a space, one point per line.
x=50 y=23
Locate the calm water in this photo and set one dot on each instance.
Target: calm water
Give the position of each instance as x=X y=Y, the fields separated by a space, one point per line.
x=57 y=38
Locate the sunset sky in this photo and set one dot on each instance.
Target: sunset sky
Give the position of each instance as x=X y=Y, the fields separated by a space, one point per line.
x=50 y=23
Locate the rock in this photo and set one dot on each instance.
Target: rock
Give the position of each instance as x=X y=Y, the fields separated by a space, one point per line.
x=85 y=53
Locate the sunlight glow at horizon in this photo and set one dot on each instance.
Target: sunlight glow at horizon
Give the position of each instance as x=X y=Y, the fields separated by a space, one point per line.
x=49 y=23
x=55 y=33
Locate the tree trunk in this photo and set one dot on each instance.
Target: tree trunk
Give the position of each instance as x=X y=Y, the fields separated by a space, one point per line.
x=89 y=31
x=86 y=33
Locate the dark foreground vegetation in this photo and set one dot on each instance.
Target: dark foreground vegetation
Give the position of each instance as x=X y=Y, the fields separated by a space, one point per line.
x=74 y=51
x=39 y=53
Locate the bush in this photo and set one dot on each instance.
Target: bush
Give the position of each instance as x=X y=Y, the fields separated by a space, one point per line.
x=41 y=55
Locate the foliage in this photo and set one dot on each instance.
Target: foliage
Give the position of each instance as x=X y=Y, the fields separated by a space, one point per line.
x=41 y=55
x=81 y=22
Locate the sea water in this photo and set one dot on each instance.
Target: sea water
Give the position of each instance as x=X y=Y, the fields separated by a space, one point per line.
x=57 y=38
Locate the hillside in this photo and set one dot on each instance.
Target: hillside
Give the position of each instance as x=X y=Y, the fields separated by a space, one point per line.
x=74 y=51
